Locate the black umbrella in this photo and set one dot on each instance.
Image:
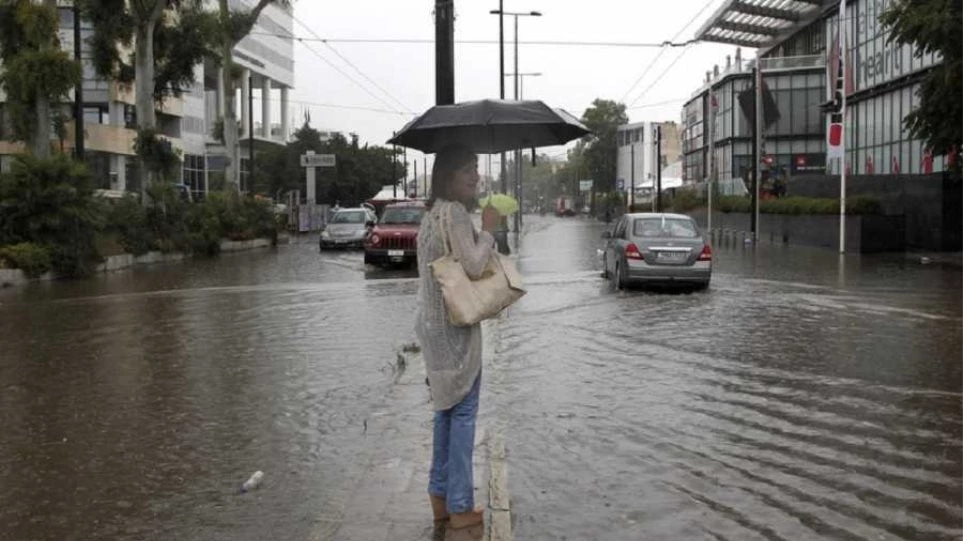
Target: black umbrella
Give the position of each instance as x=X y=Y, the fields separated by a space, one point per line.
x=490 y=126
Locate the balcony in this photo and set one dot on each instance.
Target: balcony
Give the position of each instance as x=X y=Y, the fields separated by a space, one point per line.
x=787 y=63
x=125 y=94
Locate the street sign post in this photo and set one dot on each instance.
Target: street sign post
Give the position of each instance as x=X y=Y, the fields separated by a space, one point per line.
x=585 y=185
x=311 y=161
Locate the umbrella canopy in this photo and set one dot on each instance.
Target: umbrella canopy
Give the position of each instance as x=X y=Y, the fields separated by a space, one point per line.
x=504 y=204
x=490 y=126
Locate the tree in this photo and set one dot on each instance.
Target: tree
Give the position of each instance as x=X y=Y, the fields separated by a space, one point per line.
x=165 y=52
x=933 y=26
x=359 y=174
x=233 y=27
x=36 y=71
x=600 y=149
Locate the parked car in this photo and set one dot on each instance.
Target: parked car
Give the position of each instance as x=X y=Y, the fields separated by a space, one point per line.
x=657 y=249
x=348 y=228
x=394 y=240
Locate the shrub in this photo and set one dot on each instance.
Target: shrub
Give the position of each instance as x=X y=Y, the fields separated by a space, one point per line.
x=734 y=203
x=685 y=201
x=128 y=220
x=796 y=205
x=32 y=259
x=51 y=202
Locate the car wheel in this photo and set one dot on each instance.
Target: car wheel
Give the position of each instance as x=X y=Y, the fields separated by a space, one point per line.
x=621 y=281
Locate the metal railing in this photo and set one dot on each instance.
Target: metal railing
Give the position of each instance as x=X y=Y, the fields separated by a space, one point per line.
x=792 y=62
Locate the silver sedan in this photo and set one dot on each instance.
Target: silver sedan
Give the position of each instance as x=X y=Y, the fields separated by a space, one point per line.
x=657 y=249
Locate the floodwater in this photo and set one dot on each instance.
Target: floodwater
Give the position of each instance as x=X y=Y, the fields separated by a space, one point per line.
x=803 y=396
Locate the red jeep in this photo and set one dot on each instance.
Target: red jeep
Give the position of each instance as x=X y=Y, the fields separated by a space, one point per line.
x=394 y=240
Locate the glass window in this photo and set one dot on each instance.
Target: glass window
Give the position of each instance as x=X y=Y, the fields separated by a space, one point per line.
x=666 y=228
x=880 y=129
x=860 y=123
x=403 y=215
x=349 y=217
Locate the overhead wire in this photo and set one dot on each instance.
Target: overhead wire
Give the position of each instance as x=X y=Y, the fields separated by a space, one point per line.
x=648 y=68
x=414 y=41
x=342 y=106
x=659 y=78
x=354 y=66
x=343 y=73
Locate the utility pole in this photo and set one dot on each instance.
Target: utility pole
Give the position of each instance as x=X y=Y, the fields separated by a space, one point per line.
x=712 y=155
x=756 y=149
x=79 y=150
x=632 y=176
x=444 y=52
x=658 y=167
x=405 y=185
x=416 y=179
x=501 y=80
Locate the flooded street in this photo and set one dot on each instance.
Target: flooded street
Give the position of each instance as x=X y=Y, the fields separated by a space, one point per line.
x=801 y=397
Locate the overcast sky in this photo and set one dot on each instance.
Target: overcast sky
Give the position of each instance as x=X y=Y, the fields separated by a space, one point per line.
x=572 y=75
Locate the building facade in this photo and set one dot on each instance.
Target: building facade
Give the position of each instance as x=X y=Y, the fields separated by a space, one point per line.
x=716 y=124
x=188 y=121
x=638 y=147
x=796 y=45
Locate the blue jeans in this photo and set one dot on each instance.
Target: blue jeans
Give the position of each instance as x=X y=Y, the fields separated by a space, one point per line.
x=451 y=474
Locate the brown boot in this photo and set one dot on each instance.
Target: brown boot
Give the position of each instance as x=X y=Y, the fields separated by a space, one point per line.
x=458 y=521
x=438 y=507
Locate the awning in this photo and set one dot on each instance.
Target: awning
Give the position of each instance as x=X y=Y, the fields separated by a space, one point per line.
x=755 y=23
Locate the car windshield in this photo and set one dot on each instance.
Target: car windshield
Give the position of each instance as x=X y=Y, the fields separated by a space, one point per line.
x=349 y=217
x=410 y=215
x=671 y=228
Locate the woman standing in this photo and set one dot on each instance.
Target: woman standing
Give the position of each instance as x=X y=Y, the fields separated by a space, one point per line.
x=452 y=354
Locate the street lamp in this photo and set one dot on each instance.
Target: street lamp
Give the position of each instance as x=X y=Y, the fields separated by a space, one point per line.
x=501 y=48
x=521 y=92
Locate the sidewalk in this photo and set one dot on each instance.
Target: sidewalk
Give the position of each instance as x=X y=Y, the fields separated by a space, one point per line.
x=391 y=498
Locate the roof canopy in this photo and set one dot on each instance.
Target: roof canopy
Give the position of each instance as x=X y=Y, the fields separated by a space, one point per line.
x=755 y=23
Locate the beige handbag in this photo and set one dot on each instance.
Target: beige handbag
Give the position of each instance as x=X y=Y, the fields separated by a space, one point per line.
x=471 y=301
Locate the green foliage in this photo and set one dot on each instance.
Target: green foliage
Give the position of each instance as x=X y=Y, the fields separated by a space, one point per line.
x=170 y=224
x=32 y=259
x=795 y=205
x=127 y=219
x=51 y=202
x=933 y=26
x=733 y=203
x=178 y=47
x=601 y=147
x=157 y=153
x=114 y=25
x=360 y=171
x=34 y=67
x=685 y=201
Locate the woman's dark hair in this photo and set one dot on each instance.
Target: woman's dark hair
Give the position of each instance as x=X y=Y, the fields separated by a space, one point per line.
x=447 y=161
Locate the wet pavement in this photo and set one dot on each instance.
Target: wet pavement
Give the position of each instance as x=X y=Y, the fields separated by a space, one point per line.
x=801 y=397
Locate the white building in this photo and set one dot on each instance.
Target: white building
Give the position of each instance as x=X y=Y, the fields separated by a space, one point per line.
x=267 y=57
x=638 y=147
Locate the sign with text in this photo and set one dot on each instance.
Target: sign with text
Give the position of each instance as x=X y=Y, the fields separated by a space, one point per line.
x=318 y=160
x=585 y=185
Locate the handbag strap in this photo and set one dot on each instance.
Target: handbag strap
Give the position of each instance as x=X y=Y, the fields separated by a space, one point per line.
x=443 y=225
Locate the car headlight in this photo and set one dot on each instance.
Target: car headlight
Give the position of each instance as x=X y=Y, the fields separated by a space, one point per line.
x=325 y=234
